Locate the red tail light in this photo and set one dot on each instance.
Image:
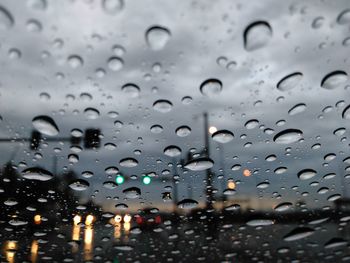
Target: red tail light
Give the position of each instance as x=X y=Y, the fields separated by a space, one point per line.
x=158 y=220
x=139 y=220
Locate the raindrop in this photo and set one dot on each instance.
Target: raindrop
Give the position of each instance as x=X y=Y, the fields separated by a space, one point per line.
x=17 y=222
x=91 y=113
x=263 y=185
x=299 y=108
x=75 y=61
x=45 y=125
x=183 y=131
x=260 y=222
x=112 y=6
x=187 y=204
x=115 y=63
x=211 y=87
x=334 y=79
x=110 y=185
x=131 y=90
x=200 y=164
x=344 y=17
x=288 y=136
x=132 y=192
x=172 y=151
x=251 y=124
x=346 y=113
x=79 y=185
x=280 y=170
x=37 y=4
x=271 y=158
x=36 y=173
x=156 y=129
x=339 y=131
x=318 y=22
x=6 y=19
x=128 y=162
x=283 y=207
x=290 y=81
x=257 y=35
x=157 y=37
x=163 y=106
x=223 y=136
x=306 y=174
x=335 y=243
x=298 y=233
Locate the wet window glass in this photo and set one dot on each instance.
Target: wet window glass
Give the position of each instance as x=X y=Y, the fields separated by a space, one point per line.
x=174 y=131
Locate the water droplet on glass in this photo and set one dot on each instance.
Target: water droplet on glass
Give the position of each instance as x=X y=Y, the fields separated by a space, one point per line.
x=334 y=79
x=211 y=87
x=306 y=174
x=172 y=151
x=200 y=164
x=75 y=61
x=37 y=4
x=344 y=17
x=251 y=124
x=280 y=170
x=6 y=19
x=288 y=136
x=290 y=81
x=183 y=131
x=260 y=222
x=346 y=113
x=299 y=108
x=79 y=185
x=187 y=204
x=157 y=37
x=257 y=35
x=112 y=6
x=45 y=125
x=317 y=22
x=131 y=90
x=163 y=106
x=128 y=162
x=91 y=113
x=156 y=129
x=115 y=63
x=298 y=233
x=132 y=192
x=283 y=206
x=223 y=136
x=36 y=173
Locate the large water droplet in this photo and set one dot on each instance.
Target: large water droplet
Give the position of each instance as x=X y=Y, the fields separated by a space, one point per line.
x=344 y=17
x=299 y=108
x=298 y=233
x=132 y=192
x=91 y=113
x=128 y=162
x=157 y=37
x=211 y=87
x=131 y=90
x=79 y=185
x=6 y=19
x=187 y=204
x=334 y=79
x=112 y=6
x=288 y=136
x=260 y=222
x=223 y=136
x=200 y=164
x=75 y=61
x=346 y=113
x=172 y=151
x=290 y=81
x=257 y=35
x=115 y=63
x=306 y=174
x=283 y=207
x=45 y=125
x=183 y=131
x=251 y=124
x=163 y=106
x=36 y=173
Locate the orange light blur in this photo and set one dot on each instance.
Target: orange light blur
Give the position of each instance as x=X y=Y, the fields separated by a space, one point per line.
x=34 y=251
x=77 y=219
x=247 y=172
x=127 y=218
x=37 y=219
x=126 y=227
x=118 y=218
x=89 y=220
x=231 y=185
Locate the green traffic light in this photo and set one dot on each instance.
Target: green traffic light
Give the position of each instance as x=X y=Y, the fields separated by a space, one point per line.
x=146 y=180
x=119 y=179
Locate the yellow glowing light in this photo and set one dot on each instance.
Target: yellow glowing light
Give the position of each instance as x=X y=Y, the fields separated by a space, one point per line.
x=77 y=219
x=117 y=231
x=89 y=219
x=127 y=219
x=247 y=172
x=88 y=239
x=126 y=227
x=37 y=219
x=11 y=245
x=76 y=232
x=231 y=185
x=118 y=218
x=212 y=129
x=34 y=251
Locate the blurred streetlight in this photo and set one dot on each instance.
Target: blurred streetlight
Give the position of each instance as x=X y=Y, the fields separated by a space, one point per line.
x=89 y=220
x=231 y=185
x=118 y=218
x=212 y=129
x=127 y=218
x=77 y=219
x=37 y=219
x=247 y=172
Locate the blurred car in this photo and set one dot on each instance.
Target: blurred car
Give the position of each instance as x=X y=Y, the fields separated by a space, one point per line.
x=148 y=218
